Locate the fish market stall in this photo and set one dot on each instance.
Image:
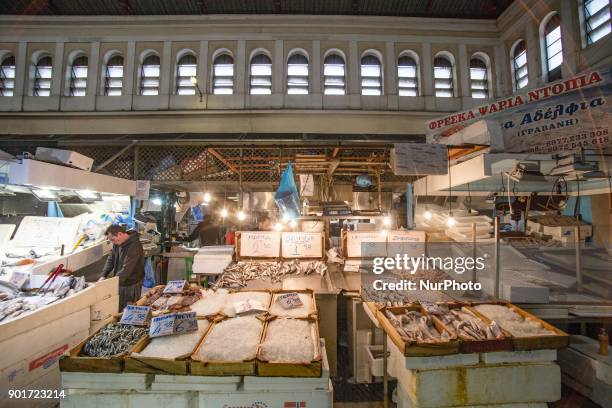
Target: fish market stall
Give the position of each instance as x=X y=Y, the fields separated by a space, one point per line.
x=249 y=346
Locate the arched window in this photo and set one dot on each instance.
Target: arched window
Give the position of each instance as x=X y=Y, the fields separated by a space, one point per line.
x=113 y=77
x=333 y=75
x=554 y=48
x=596 y=19
x=7 y=76
x=149 y=76
x=223 y=75
x=185 y=70
x=519 y=65
x=443 y=77
x=297 y=74
x=43 y=72
x=261 y=75
x=407 y=78
x=78 y=77
x=479 y=83
x=371 y=75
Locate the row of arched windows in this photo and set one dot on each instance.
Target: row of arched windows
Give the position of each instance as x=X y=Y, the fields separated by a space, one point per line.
x=260 y=75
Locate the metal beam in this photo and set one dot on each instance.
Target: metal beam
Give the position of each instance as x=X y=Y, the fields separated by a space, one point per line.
x=114 y=157
x=223 y=160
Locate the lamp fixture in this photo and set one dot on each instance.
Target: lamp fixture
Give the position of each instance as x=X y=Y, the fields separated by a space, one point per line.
x=88 y=196
x=223 y=212
x=241 y=215
x=278 y=226
x=194 y=81
x=45 y=195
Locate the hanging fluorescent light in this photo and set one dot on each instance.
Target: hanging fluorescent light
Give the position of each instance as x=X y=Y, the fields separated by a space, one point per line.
x=207 y=198
x=45 y=195
x=223 y=212
x=241 y=215
x=278 y=226
x=88 y=196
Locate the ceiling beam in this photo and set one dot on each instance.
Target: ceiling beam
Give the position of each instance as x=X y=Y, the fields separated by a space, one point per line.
x=223 y=160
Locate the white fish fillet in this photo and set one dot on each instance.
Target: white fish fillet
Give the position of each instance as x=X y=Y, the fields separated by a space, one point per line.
x=303 y=311
x=289 y=340
x=176 y=345
x=234 y=339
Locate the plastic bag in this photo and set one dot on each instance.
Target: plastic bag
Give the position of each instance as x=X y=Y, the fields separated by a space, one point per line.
x=287 y=197
x=149 y=277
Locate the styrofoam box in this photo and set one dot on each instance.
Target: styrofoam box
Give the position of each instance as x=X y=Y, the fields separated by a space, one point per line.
x=38 y=364
x=49 y=381
x=62 y=156
x=568 y=231
x=106 y=381
x=376 y=364
x=132 y=399
x=104 y=309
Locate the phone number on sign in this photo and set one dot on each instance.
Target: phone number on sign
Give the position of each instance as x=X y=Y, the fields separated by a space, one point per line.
x=36 y=394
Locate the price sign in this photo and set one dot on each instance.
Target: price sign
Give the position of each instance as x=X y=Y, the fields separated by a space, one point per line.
x=136 y=315
x=175 y=286
x=302 y=245
x=162 y=326
x=249 y=305
x=289 y=300
x=185 y=322
x=19 y=278
x=260 y=244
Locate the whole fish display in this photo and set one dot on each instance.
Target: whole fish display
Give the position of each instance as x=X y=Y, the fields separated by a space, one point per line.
x=513 y=322
x=161 y=302
x=113 y=339
x=415 y=327
x=12 y=308
x=238 y=274
x=464 y=324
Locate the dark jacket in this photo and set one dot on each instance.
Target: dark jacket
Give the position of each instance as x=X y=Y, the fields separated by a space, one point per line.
x=126 y=261
x=206 y=232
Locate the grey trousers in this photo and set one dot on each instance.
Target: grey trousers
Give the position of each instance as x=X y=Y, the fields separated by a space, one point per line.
x=129 y=294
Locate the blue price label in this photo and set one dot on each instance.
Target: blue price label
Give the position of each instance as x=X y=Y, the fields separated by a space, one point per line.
x=136 y=315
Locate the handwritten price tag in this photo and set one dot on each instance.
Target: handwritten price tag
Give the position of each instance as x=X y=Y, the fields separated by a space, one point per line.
x=185 y=322
x=136 y=315
x=175 y=286
x=289 y=300
x=19 y=278
x=162 y=326
x=249 y=305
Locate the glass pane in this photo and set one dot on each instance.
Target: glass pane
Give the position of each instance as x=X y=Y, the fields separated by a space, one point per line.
x=594 y=6
x=80 y=72
x=443 y=72
x=522 y=83
x=479 y=85
x=223 y=91
x=297 y=91
x=223 y=81
x=297 y=69
x=7 y=83
x=261 y=69
x=150 y=70
x=261 y=81
x=44 y=72
x=370 y=91
x=149 y=82
x=182 y=81
x=408 y=83
x=113 y=92
x=600 y=32
x=79 y=83
x=187 y=70
x=442 y=84
x=115 y=71
x=43 y=92
x=43 y=84
x=555 y=61
x=599 y=18
x=441 y=93
x=553 y=36
x=407 y=92
x=149 y=91
x=224 y=69
x=521 y=72
x=370 y=82
x=333 y=69
x=78 y=92
x=334 y=81
x=478 y=73
x=403 y=71
x=370 y=70
x=260 y=91
x=520 y=59
x=186 y=91
x=297 y=80
x=114 y=83
x=8 y=72
x=479 y=94
x=6 y=92
x=333 y=91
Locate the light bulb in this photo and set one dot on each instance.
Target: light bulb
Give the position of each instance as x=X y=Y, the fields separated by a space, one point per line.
x=450 y=221
x=427 y=215
x=387 y=221
x=292 y=224
x=194 y=80
x=278 y=226
x=241 y=215
x=223 y=212
x=206 y=198
x=286 y=218
x=383 y=232
x=156 y=201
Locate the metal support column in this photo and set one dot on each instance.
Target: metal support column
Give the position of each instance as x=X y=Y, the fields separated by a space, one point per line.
x=497 y=271
x=410 y=206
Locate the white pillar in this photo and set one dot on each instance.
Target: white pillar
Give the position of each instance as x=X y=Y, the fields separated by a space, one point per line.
x=21 y=69
x=240 y=69
x=390 y=69
x=353 y=65
x=93 y=68
x=315 y=68
x=167 y=69
x=129 y=73
x=203 y=67
x=58 y=69
x=426 y=71
x=533 y=56
x=463 y=72
x=278 y=68
x=501 y=67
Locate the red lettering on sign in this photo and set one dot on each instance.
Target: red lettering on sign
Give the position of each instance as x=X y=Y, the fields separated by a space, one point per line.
x=34 y=364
